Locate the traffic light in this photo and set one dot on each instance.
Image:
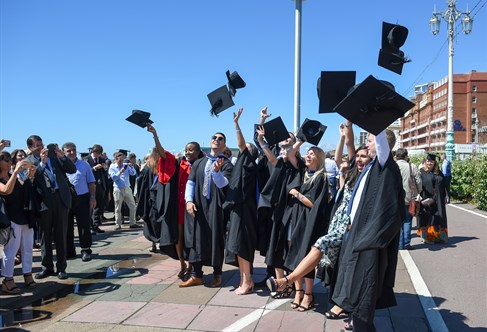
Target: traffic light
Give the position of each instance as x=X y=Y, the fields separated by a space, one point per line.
x=390 y=55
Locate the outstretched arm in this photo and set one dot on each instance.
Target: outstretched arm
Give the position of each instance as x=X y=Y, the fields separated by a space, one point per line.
x=159 y=148
x=264 y=146
x=240 y=138
x=291 y=153
x=349 y=138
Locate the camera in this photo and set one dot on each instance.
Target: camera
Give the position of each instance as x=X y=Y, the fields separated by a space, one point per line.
x=6 y=143
x=51 y=150
x=126 y=162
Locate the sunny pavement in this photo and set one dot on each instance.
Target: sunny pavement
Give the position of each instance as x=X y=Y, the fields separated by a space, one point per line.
x=142 y=294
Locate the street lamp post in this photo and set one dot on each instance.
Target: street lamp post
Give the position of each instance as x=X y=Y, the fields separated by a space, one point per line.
x=450 y=15
x=297 y=66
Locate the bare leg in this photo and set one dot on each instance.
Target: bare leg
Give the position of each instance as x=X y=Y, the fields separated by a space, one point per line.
x=306 y=265
x=246 y=282
x=308 y=300
x=299 y=293
x=179 y=248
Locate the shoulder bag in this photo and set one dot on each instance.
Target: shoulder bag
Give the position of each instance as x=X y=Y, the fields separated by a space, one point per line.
x=415 y=203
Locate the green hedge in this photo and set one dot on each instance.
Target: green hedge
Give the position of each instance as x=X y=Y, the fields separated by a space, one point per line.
x=469 y=180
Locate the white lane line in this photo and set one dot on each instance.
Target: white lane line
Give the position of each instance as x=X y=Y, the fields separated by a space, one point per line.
x=466 y=210
x=429 y=306
x=254 y=315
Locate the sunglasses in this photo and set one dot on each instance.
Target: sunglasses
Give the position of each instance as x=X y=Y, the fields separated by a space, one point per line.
x=219 y=138
x=6 y=159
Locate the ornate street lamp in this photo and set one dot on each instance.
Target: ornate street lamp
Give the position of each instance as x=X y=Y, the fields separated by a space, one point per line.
x=450 y=15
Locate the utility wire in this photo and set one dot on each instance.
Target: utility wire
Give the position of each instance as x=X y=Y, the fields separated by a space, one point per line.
x=445 y=43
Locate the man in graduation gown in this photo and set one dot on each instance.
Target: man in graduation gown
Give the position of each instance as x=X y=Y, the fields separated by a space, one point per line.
x=205 y=222
x=368 y=258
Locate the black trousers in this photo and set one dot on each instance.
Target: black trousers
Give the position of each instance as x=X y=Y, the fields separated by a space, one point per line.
x=53 y=227
x=97 y=215
x=80 y=211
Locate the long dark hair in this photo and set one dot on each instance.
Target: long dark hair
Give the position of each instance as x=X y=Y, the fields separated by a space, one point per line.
x=352 y=175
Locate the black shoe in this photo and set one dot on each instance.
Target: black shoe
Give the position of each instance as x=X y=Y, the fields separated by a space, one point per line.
x=44 y=274
x=62 y=275
x=97 y=229
x=135 y=226
x=86 y=257
x=71 y=256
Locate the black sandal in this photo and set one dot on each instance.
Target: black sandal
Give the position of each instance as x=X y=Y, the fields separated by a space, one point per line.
x=274 y=287
x=12 y=289
x=310 y=306
x=295 y=305
x=331 y=315
x=29 y=281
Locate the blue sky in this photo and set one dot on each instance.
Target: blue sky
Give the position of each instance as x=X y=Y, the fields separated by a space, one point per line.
x=74 y=70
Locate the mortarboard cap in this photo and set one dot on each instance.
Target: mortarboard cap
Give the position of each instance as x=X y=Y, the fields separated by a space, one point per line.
x=275 y=131
x=311 y=131
x=220 y=100
x=234 y=82
x=373 y=105
x=140 y=118
x=390 y=55
x=125 y=152
x=83 y=155
x=333 y=87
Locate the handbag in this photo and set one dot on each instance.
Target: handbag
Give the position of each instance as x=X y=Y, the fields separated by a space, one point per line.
x=428 y=202
x=5 y=225
x=414 y=204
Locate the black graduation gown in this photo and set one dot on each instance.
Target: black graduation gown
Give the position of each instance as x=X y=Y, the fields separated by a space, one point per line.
x=204 y=235
x=241 y=200
x=368 y=256
x=307 y=224
x=158 y=209
x=433 y=187
x=275 y=195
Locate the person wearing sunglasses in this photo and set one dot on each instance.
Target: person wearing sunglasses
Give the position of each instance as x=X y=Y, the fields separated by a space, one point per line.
x=205 y=219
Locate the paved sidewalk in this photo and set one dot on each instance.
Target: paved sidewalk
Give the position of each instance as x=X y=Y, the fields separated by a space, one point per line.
x=127 y=288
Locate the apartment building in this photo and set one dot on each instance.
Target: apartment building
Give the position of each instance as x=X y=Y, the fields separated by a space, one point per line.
x=424 y=126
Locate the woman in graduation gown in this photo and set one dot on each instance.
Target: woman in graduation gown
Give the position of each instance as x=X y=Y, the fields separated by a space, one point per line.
x=306 y=220
x=275 y=196
x=161 y=186
x=241 y=200
x=432 y=221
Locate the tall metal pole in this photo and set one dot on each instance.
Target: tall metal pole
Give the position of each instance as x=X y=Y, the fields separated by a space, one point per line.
x=450 y=15
x=450 y=140
x=297 y=68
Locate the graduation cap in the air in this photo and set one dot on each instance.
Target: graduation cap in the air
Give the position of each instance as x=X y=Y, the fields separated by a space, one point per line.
x=140 y=118
x=220 y=100
x=234 y=82
x=311 y=131
x=125 y=152
x=275 y=131
x=390 y=55
x=373 y=105
x=333 y=87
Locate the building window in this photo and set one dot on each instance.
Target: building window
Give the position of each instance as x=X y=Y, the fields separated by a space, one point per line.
x=473 y=137
x=474 y=99
x=474 y=88
x=474 y=112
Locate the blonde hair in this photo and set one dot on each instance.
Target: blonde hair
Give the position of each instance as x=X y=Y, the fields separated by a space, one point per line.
x=320 y=167
x=153 y=160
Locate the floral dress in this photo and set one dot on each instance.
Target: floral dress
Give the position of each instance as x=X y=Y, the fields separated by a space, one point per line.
x=330 y=243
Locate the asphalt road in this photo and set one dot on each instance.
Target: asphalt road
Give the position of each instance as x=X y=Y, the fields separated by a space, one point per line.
x=455 y=273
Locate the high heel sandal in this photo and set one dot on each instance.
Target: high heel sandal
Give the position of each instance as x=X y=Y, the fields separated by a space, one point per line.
x=29 y=281
x=9 y=286
x=310 y=306
x=246 y=281
x=273 y=285
x=295 y=305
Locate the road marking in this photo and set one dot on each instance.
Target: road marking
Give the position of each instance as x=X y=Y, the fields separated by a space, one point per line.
x=429 y=306
x=255 y=315
x=466 y=210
